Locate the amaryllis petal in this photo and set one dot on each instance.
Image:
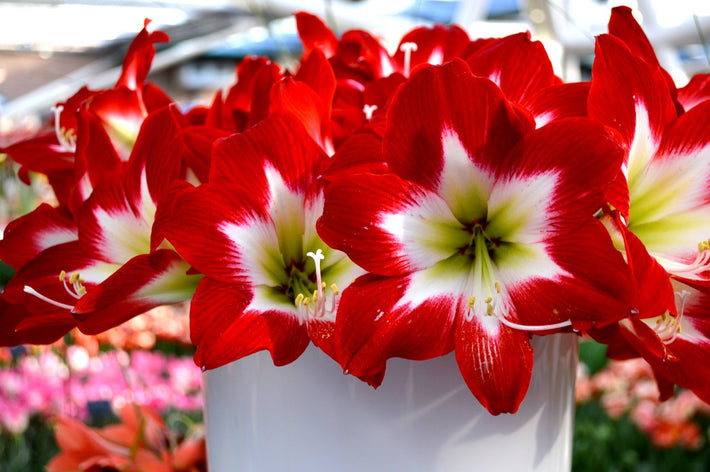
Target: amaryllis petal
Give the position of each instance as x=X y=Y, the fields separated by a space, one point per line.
x=157 y=156
x=116 y=224
x=247 y=102
x=315 y=34
x=558 y=101
x=315 y=71
x=518 y=65
x=430 y=45
x=139 y=57
x=142 y=283
x=627 y=94
x=234 y=331
x=696 y=91
x=360 y=56
x=624 y=26
x=431 y=93
x=300 y=100
x=27 y=236
x=365 y=217
x=121 y=114
x=370 y=330
x=199 y=233
x=495 y=361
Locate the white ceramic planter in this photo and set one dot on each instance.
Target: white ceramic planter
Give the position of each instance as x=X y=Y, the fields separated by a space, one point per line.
x=309 y=417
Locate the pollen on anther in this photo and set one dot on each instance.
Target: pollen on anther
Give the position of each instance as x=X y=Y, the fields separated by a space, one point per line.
x=334 y=289
x=299 y=299
x=471 y=301
x=62 y=276
x=497 y=287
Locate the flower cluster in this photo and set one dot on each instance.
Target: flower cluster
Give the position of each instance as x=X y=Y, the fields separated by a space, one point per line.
x=47 y=384
x=455 y=195
x=628 y=387
x=140 y=442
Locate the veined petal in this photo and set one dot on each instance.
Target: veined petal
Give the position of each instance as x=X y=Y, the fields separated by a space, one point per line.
x=301 y=101
x=518 y=65
x=442 y=101
x=695 y=92
x=628 y=94
x=218 y=238
x=139 y=57
x=495 y=363
x=121 y=114
x=225 y=330
x=280 y=140
x=315 y=34
x=670 y=201
x=27 y=236
x=372 y=326
x=142 y=283
x=110 y=222
x=558 y=101
x=364 y=218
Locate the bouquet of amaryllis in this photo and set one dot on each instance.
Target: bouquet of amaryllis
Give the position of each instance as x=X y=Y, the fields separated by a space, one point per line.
x=455 y=196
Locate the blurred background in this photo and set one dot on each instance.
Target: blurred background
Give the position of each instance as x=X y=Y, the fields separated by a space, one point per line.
x=51 y=48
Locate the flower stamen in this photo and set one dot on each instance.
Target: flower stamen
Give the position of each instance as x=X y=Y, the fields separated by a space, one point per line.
x=315 y=305
x=668 y=326
x=66 y=137
x=31 y=291
x=368 y=110
x=407 y=49
x=495 y=306
x=75 y=288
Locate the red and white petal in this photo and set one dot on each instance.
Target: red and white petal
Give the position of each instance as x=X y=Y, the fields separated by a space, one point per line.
x=518 y=65
x=240 y=160
x=630 y=95
x=223 y=241
x=558 y=101
x=121 y=114
x=156 y=158
x=670 y=209
x=27 y=236
x=139 y=57
x=110 y=223
x=142 y=283
x=432 y=45
x=375 y=324
x=367 y=218
x=443 y=101
x=695 y=92
x=225 y=329
x=495 y=361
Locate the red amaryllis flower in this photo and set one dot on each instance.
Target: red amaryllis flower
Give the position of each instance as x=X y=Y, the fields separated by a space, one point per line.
x=112 y=263
x=472 y=239
x=661 y=215
x=251 y=231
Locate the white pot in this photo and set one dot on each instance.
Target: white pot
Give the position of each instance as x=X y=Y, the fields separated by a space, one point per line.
x=309 y=417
